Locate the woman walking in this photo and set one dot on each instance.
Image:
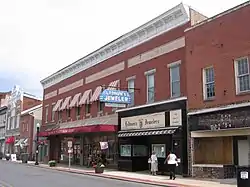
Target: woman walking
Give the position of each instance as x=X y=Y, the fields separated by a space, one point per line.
x=172 y=163
x=154 y=163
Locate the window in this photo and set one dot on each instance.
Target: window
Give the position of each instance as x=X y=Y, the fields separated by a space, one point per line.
x=131 y=90
x=68 y=113
x=140 y=150
x=46 y=114
x=78 y=111
x=17 y=120
x=242 y=75
x=125 y=150
x=208 y=83
x=150 y=88
x=53 y=113
x=175 y=81
x=159 y=149
x=87 y=108
x=59 y=115
x=100 y=106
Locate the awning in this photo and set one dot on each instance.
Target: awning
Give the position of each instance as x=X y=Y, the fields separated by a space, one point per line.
x=10 y=140
x=75 y=100
x=85 y=97
x=96 y=94
x=113 y=85
x=19 y=142
x=65 y=104
x=147 y=133
x=99 y=124
x=57 y=106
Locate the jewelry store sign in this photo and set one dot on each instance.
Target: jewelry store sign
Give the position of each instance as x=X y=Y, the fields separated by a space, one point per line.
x=148 y=121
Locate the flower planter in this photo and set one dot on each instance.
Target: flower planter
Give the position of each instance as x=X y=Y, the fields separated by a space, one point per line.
x=99 y=169
x=52 y=163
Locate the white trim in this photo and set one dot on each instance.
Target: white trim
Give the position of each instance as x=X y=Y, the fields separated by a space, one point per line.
x=204 y=82
x=150 y=72
x=147 y=74
x=30 y=110
x=153 y=104
x=169 y=20
x=219 y=15
x=173 y=64
x=131 y=78
x=215 y=109
x=31 y=96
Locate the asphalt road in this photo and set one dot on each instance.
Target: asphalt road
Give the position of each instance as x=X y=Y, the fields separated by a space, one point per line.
x=18 y=175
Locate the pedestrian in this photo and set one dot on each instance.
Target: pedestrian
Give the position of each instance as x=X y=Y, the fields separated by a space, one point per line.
x=154 y=163
x=172 y=163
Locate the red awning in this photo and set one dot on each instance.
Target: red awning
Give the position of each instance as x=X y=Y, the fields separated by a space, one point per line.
x=85 y=98
x=10 y=140
x=75 y=100
x=113 y=85
x=57 y=106
x=96 y=94
x=81 y=129
x=65 y=104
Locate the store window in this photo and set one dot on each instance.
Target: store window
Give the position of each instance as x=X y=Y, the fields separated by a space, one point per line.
x=68 y=113
x=160 y=150
x=78 y=111
x=100 y=106
x=140 y=150
x=125 y=150
x=87 y=108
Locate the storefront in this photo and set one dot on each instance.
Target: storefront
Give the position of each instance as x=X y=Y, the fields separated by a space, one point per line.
x=219 y=141
x=158 y=127
x=87 y=137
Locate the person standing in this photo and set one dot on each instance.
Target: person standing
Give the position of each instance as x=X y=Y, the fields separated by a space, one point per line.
x=172 y=163
x=154 y=163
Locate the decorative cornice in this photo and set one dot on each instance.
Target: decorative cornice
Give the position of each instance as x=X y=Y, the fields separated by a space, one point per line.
x=169 y=20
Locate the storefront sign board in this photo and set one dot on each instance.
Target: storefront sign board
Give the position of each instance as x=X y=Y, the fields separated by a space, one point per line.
x=115 y=96
x=175 y=118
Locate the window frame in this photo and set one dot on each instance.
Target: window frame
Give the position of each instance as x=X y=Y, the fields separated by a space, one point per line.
x=52 y=112
x=205 y=83
x=174 y=65
x=148 y=74
x=46 y=113
x=237 y=82
x=131 y=91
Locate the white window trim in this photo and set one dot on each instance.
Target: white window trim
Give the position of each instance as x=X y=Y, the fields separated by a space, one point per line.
x=147 y=74
x=204 y=83
x=170 y=66
x=236 y=73
x=46 y=114
x=128 y=80
x=52 y=106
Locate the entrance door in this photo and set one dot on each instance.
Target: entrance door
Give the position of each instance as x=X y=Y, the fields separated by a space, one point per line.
x=243 y=152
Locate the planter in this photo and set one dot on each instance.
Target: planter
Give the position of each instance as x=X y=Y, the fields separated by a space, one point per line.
x=99 y=169
x=52 y=163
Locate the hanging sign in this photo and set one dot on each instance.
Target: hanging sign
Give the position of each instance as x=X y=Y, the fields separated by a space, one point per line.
x=115 y=96
x=104 y=145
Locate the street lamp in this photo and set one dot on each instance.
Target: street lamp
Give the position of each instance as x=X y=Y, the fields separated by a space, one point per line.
x=37 y=139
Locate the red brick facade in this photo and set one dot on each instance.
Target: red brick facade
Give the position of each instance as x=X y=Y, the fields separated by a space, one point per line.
x=29 y=102
x=217 y=43
x=160 y=64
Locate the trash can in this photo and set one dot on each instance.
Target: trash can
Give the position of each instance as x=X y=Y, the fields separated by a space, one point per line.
x=243 y=174
x=24 y=157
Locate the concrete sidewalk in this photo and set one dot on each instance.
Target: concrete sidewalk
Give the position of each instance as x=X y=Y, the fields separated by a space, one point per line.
x=138 y=177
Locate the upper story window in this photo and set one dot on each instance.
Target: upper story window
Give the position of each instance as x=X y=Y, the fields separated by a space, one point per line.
x=68 y=111
x=46 y=114
x=131 y=90
x=53 y=113
x=78 y=111
x=150 y=86
x=100 y=106
x=242 y=75
x=175 y=81
x=208 y=83
x=87 y=108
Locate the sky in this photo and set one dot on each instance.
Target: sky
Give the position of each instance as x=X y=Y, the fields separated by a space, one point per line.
x=37 y=38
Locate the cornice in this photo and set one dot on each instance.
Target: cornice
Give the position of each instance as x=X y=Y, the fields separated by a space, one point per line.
x=169 y=20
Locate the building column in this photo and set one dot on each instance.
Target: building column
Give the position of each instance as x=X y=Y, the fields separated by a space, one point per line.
x=192 y=155
x=81 y=149
x=248 y=140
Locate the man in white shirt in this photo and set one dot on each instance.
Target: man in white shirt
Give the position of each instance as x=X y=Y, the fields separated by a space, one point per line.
x=172 y=163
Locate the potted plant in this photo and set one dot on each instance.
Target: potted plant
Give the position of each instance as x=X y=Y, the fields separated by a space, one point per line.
x=99 y=168
x=52 y=163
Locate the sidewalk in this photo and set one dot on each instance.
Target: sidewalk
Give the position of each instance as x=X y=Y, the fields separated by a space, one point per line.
x=139 y=177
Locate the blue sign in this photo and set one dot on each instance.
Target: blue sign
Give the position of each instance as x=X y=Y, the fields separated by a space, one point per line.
x=115 y=96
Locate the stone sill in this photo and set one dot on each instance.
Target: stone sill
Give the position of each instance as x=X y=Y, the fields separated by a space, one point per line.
x=208 y=165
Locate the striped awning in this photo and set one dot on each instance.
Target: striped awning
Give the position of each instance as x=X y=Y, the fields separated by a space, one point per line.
x=85 y=97
x=75 y=100
x=57 y=106
x=113 y=85
x=147 y=133
x=65 y=104
x=96 y=94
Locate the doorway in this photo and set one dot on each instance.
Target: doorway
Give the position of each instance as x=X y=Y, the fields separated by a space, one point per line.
x=243 y=152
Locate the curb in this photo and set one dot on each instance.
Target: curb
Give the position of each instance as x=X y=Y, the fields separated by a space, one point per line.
x=128 y=179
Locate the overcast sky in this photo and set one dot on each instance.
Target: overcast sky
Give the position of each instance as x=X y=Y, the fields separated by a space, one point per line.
x=39 y=37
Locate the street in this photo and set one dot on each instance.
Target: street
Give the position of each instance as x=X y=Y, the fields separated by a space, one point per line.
x=18 y=175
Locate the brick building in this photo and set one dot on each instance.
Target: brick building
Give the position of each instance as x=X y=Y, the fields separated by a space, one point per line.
x=218 y=85
x=18 y=102
x=149 y=63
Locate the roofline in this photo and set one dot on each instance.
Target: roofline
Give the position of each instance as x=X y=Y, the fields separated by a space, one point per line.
x=152 y=104
x=28 y=111
x=215 y=109
x=25 y=94
x=219 y=15
x=125 y=42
